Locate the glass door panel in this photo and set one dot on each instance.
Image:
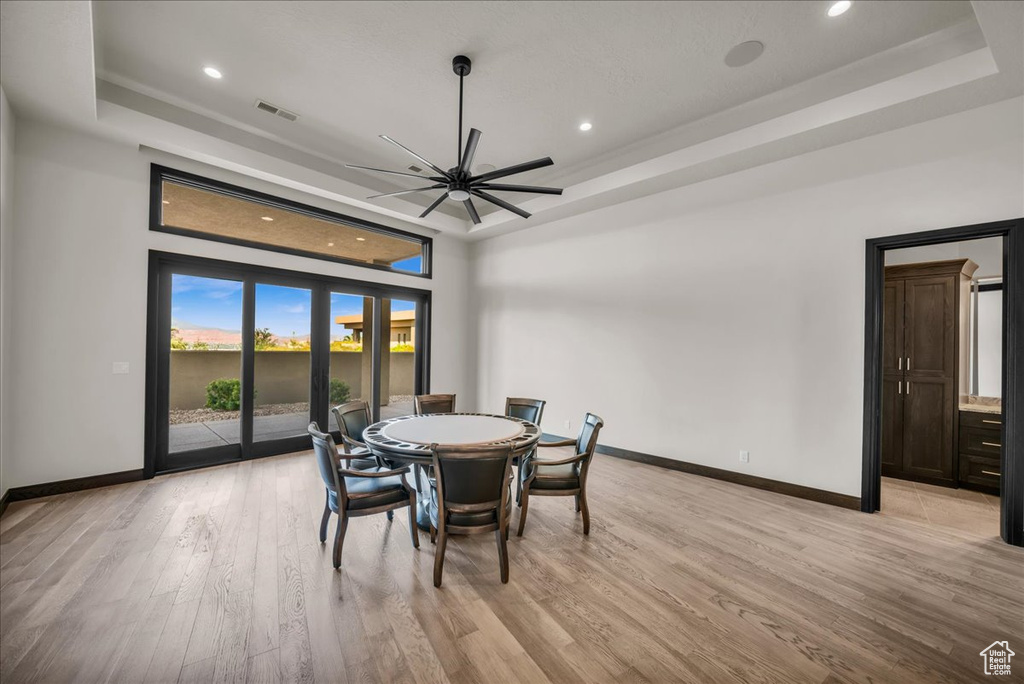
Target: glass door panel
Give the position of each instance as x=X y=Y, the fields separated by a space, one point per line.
x=281 y=366
x=351 y=363
x=205 y=363
x=398 y=357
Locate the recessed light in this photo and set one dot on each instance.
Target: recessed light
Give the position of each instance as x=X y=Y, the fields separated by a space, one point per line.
x=167 y=201
x=838 y=8
x=361 y=239
x=212 y=72
x=744 y=53
x=267 y=218
x=330 y=244
x=586 y=126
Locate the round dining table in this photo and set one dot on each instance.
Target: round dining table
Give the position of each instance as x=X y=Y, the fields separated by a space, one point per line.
x=406 y=440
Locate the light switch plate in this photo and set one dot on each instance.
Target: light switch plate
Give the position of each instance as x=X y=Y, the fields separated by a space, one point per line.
x=744 y=457
x=119 y=368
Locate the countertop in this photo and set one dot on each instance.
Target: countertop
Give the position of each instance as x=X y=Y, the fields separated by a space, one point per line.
x=981 y=408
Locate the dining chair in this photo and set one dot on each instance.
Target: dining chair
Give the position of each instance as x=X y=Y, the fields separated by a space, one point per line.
x=526 y=409
x=434 y=403
x=564 y=477
x=353 y=417
x=355 y=493
x=470 y=495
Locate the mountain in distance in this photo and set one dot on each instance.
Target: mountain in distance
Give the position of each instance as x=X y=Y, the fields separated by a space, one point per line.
x=192 y=333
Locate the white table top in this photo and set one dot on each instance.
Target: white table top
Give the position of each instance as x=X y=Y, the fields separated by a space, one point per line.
x=454 y=429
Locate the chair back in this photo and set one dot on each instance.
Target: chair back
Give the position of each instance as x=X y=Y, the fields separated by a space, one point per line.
x=434 y=403
x=472 y=478
x=525 y=409
x=353 y=417
x=586 y=442
x=326 y=457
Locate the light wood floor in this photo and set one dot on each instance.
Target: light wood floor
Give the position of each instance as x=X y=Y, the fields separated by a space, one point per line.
x=218 y=575
x=942 y=507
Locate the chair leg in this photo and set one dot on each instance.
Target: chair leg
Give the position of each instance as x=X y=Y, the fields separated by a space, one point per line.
x=577 y=503
x=413 y=529
x=519 y=484
x=326 y=517
x=391 y=515
x=502 y=553
x=339 y=538
x=442 y=542
x=433 y=534
x=586 y=511
x=525 y=508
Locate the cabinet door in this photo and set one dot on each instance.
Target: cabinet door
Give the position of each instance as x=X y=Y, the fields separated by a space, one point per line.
x=892 y=327
x=928 y=416
x=892 y=425
x=892 y=377
x=930 y=328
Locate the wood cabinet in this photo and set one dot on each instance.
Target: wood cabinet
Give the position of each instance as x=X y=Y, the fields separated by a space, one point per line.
x=924 y=356
x=981 y=445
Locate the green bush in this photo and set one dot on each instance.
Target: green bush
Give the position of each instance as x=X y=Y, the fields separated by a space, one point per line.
x=339 y=391
x=223 y=394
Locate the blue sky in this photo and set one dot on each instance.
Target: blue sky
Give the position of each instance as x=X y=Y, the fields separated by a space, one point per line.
x=213 y=303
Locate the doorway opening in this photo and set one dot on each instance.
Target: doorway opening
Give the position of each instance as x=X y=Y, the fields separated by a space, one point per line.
x=943 y=359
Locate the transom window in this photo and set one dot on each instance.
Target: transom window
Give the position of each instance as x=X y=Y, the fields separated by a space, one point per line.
x=199 y=207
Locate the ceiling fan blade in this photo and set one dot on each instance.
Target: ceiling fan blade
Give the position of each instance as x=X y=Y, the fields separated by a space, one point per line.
x=500 y=202
x=511 y=170
x=418 y=157
x=467 y=156
x=433 y=206
x=519 y=188
x=393 y=173
x=472 y=210
x=406 y=192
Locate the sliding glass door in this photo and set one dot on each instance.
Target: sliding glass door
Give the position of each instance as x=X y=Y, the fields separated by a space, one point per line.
x=243 y=358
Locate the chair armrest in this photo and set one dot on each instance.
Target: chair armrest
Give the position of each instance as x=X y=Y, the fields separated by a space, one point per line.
x=559 y=443
x=353 y=444
x=540 y=463
x=363 y=473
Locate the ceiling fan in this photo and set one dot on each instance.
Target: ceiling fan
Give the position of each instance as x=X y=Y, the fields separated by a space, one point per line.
x=458 y=183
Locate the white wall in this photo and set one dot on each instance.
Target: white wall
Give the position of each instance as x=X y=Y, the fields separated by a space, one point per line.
x=80 y=282
x=6 y=230
x=987 y=253
x=729 y=315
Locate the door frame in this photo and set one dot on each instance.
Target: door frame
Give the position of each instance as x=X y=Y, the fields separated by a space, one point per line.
x=1011 y=499
x=158 y=348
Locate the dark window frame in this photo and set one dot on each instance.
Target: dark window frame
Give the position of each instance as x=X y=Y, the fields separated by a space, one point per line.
x=158 y=174
x=158 y=350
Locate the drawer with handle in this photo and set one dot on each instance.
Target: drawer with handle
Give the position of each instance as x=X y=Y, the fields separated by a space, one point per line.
x=992 y=421
x=981 y=441
x=980 y=472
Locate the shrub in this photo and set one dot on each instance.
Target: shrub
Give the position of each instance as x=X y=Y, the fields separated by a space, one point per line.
x=339 y=391
x=223 y=394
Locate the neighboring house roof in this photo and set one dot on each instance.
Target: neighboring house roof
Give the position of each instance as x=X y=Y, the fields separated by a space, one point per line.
x=357 y=319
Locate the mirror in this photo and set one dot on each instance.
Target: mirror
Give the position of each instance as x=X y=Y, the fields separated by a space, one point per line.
x=987 y=337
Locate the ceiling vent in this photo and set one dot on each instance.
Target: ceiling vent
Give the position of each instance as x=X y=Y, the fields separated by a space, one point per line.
x=415 y=169
x=265 y=106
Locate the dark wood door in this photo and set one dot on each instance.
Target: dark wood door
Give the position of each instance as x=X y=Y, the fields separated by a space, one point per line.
x=930 y=327
x=892 y=379
x=929 y=373
x=892 y=426
x=928 y=429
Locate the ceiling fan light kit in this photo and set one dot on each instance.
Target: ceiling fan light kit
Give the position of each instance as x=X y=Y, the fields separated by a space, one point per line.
x=458 y=183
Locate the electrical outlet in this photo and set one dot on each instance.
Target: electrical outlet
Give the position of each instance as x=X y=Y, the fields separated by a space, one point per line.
x=568 y=424
x=744 y=457
x=119 y=368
